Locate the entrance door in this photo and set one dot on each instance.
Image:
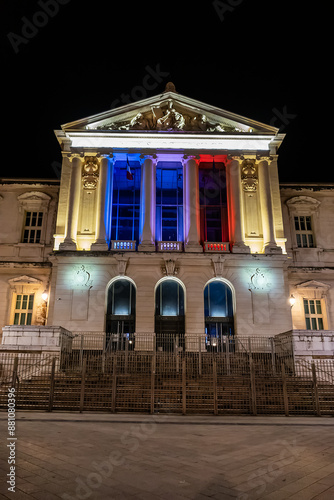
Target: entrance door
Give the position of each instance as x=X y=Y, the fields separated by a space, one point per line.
x=218 y=310
x=120 y=333
x=120 y=320
x=169 y=316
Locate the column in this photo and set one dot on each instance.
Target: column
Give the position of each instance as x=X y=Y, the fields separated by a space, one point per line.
x=73 y=206
x=236 y=216
x=267 y=215
x=191 y=205
x=100 y=231
x=147 y=204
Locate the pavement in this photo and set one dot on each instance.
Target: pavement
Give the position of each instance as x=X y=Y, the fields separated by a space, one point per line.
x=99 y=456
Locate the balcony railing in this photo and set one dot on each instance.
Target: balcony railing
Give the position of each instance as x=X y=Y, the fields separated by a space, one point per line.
x=169 y=246
x=210 y=246
x=121 y=245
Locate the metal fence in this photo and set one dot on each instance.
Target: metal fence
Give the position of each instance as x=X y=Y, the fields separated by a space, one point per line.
x=242 y=375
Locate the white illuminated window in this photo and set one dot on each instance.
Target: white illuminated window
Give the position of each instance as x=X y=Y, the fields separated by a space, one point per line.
x=32 y=227
x=313 y=314
x=24 y=305
x=304 y=232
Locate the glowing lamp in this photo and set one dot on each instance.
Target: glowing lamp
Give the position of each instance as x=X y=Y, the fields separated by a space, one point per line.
x=45 y=296
x=292 y=300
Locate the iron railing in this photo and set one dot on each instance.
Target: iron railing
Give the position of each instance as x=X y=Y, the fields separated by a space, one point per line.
x=242 y=376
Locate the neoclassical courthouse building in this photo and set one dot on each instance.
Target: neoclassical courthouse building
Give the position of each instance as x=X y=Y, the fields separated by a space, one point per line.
x=169 y=218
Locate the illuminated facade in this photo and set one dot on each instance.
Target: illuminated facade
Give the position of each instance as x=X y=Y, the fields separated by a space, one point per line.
x=169 y=221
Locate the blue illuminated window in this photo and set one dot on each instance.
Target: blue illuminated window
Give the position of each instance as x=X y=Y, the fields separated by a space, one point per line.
x=121 y=298
x=169 y=202
x=125 y=202
x=217 y=300
x=213 y=202
x=169 y=299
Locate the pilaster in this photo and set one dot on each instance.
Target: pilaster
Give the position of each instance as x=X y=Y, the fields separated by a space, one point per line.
x=269 y=242
x=73 y=205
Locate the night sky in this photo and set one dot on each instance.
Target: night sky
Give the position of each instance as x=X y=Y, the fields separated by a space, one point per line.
x=260 y=59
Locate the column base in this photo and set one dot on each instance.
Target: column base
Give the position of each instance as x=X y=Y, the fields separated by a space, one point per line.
x=100 y=246
x=68 y=245
x=240 y=248
x=193 y=247
x=146 y=247
x=272 y=248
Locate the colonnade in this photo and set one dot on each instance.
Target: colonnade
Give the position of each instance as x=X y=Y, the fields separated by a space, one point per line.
x=190 y=202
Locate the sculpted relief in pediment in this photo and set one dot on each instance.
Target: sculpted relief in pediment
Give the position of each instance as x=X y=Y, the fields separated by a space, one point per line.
x=167 y=118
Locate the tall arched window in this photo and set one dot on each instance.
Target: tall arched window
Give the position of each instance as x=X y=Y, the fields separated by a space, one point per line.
x=218 y=311
x=169 y=315
x=121 y=311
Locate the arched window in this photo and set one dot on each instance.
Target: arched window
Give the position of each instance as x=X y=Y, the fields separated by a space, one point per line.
x=121 y=310
x=169 y=315
x=218 y=311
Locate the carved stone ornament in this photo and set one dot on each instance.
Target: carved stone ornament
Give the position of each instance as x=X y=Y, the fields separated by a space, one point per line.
x=165 y=116
x=218 y=266
x=249 y=178
x=121 y=266
x=90 y=172
x=82 y=278
x=259 y=280
x=169 y=268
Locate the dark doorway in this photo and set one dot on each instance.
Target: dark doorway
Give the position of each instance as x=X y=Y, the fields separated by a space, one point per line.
x=218 y=311
x=169 y=316
x=121 y=311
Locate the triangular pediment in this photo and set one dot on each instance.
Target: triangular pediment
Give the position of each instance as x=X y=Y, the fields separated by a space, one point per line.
x=170 y=112
x=24 y=279
x=313 y=284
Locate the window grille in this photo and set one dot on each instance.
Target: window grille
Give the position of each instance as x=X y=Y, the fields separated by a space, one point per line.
x=33 y=227
x=23 y=309
x=304 y=233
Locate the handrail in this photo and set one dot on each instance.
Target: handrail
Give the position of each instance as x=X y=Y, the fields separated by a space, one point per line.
x=308 y=365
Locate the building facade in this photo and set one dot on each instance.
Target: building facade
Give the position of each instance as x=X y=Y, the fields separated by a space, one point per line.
x=170 y=220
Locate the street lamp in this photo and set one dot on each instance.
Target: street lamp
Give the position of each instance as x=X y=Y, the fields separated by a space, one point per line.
x=292 y=300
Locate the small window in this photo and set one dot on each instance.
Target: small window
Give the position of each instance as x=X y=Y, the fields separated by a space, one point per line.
x=33 y=227
x=313 y=314
x=23 y=309
x=304 y=233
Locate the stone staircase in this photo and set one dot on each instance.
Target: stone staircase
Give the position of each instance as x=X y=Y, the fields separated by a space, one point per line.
x=229 y=386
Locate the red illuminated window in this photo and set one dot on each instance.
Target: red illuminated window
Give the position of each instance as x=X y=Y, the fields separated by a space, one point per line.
x=213 y=203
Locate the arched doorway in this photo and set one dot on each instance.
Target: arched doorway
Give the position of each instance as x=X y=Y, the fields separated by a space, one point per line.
x=121 y=313
x=218 y=312
x=169 y=315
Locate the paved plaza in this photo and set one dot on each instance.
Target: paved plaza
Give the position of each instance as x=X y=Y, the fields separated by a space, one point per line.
x=100 y=456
